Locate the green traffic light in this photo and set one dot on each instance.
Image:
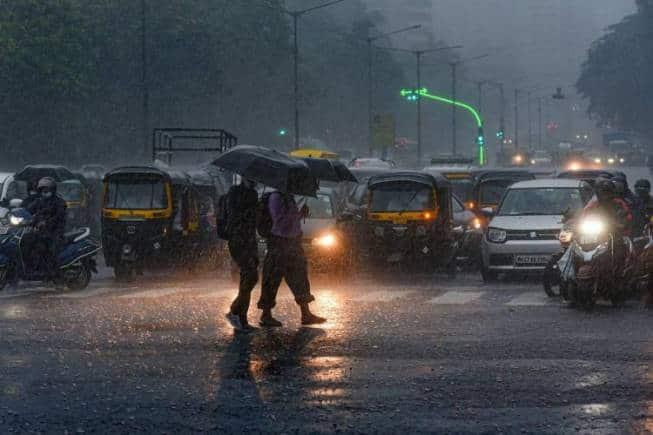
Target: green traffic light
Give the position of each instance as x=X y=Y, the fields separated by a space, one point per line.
x=283 y=132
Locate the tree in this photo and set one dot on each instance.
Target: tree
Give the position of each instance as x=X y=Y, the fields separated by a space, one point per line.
x=617 y=76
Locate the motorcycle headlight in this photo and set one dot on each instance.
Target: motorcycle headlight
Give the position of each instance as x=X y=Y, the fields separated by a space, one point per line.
x=328 y=240
x=565 y=236
x=496 y=235
x=592 y=227
x=16 y=220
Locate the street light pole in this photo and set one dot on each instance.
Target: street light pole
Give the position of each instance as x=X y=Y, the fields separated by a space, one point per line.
x=530 y=127
x=454 y=144
x=144 y=84
x=370 y=90
x=516 y=119
x=418 y=55
x=539 y=123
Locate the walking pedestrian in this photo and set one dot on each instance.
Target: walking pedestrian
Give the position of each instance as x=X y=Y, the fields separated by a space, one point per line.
x=285 y=259
x=241 y=203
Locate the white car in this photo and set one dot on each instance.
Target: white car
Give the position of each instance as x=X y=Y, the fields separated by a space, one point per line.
x=523 y=233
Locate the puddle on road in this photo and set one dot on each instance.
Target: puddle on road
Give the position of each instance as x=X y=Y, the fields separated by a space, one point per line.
x=13 y=312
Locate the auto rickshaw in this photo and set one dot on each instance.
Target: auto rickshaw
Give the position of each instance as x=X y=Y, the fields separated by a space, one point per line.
x=409 y=220
x=150 y=219
x=490 y=184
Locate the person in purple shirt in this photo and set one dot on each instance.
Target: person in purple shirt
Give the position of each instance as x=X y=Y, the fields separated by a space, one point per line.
x=285 y=259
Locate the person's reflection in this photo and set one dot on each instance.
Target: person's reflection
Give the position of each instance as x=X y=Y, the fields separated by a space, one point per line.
x=254 y=366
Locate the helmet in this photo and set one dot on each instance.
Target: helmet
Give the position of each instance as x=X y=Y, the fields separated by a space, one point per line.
x=643 y=184
x=604 y=186
x=47 y=183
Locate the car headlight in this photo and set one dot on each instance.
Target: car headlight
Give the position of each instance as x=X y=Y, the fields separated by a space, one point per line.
x=565 y=236
x=496 y=235
x=611 y=160
x=592 y=226
x=597 y=161
x=326 y=241
x=16 y=220
x=622 y=160
x=532 y=161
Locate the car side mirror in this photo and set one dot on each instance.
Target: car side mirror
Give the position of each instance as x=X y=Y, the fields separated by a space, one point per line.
x=487 y=212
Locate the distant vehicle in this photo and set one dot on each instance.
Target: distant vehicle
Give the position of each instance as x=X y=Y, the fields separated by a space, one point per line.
x=541 y=158
x=371 y=163
x=490 y=184
x=523 y=233
x=325 y=245
x=587 y=175
x=461 y=179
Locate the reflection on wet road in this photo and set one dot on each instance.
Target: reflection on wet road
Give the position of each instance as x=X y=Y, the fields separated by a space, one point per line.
x=423 y=353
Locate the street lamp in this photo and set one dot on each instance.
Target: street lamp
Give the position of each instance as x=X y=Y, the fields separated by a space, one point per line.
x=454 y=67
x=418 y=59
x=370 y=91
x=295 y=15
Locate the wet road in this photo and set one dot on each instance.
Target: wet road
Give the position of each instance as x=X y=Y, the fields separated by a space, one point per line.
x=399 y=353
x=421 y=354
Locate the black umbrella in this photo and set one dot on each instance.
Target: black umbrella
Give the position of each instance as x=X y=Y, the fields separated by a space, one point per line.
x=329 y=170
x=270 y=168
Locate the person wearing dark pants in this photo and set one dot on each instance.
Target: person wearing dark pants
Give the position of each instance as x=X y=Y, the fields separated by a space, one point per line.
x=242 y=201
x=285 y=259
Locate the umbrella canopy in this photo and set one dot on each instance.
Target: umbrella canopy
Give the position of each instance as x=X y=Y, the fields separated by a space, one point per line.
x=34 y=173
x=270 y=168
x=330 y=170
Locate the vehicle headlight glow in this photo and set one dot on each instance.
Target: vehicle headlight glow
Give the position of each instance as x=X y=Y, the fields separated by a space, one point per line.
x=517 y=158
x=574 y=166
x=496 y=235
x=597 y=161
x=592 y=226
x=16 y=220
x=326 y=241
x=611 y=160
x=622 y=160
x=532 y=161
x=476 y=224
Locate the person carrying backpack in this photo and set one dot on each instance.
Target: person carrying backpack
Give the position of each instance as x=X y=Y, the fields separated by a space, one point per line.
x=285 y=258
x=238 y=214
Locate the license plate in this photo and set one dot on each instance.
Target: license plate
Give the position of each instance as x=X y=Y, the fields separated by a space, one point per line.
x=4 y=229
x=532 y=259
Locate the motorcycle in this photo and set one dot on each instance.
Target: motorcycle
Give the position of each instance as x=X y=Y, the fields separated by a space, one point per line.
x=76 y=258
x=601 y=264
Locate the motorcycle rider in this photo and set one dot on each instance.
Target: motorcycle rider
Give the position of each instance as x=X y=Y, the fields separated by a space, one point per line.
x=643 y=193
x=623 y=191
x=49 y=219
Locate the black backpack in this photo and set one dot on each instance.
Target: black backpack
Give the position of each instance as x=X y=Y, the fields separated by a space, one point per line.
x=263 y=217
x=223 y=216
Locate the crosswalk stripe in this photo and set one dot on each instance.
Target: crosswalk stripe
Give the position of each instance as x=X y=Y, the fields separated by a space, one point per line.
x=155 y=293
x=531 y=299
x=456 y=298
x=383 y=296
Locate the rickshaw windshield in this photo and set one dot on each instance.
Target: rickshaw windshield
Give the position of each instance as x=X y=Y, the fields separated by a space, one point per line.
x=490 y=192
x=462 y=188
x=401 y=196
x=136 y=195
x=320 y=207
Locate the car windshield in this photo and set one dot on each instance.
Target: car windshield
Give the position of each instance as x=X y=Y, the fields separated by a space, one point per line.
x=320 y=207
x=491 y=192
x=462 y=188
x=70 y=192
x=540 y=201
x=17 y=190
x=136 y=195
x=403 y=196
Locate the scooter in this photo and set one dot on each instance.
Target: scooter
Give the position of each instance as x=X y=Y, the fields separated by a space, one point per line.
x=75 y=260
x=595 y=273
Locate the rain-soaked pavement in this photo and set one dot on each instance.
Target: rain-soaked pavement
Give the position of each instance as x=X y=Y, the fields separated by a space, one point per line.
x=399 y=353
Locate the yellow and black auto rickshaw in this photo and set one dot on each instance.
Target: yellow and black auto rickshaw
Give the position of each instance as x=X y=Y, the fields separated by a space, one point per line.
x=150 y=219
x=409 y=220
x=77 y=203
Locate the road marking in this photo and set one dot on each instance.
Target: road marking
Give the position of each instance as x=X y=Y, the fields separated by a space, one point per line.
x=101 y=291
x=529 y=299
x=155 y=293
x=383 y=296
x=456 y=298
